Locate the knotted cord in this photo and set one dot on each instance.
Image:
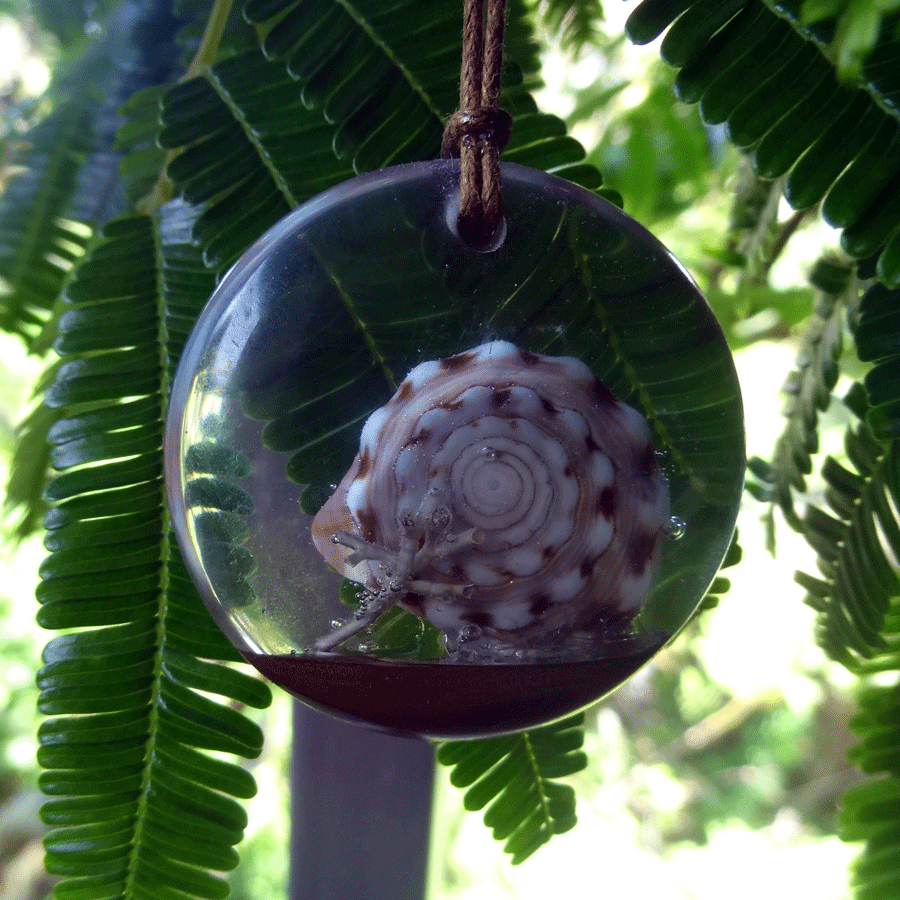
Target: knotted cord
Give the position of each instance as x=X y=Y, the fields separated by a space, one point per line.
x=479 y=130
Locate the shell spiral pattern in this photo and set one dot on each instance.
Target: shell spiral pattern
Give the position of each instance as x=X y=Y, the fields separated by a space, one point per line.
x=504 y=492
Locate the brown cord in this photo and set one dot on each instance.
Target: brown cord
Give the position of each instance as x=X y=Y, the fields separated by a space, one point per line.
x=479 y=130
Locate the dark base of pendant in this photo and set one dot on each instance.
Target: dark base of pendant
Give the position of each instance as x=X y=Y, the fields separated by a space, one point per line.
x=446 y=701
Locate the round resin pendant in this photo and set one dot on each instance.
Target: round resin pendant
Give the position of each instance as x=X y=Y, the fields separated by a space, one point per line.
x=448 y=492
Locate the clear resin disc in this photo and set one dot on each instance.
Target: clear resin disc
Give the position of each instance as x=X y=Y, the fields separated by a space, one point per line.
x=448 y=492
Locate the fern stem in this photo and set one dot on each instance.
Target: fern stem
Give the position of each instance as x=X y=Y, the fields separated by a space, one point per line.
x=153 y=717
x=543 y=800
x=785 y=233
x=212 y=37
x=163 y=190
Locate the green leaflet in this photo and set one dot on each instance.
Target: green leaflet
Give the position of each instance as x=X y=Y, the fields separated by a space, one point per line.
x=721 y=585
x=518 y=776
x=652 y=17
x=877 y=342
x=780 y=98
x=130 y=701
x=692 y=30
x=28 y=469
x=860 y=38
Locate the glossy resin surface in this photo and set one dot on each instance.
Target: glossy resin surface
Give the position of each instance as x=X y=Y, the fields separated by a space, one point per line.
x=353 y=507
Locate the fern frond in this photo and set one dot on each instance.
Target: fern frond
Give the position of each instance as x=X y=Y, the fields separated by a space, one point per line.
x=809 y=389
x=857 y=540
x=39 y=244
x=518 y=776
x=130 y=696
x=753 y=223
x=278 y=152
x=871 y=811
x=857 y=598
x=28 y=470
x=68 y=182
x=390 y=82
x=832 y=140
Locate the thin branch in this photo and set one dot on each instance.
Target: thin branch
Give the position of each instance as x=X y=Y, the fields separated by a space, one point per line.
x=785 y=233
x=163 y=190
x=212 y=37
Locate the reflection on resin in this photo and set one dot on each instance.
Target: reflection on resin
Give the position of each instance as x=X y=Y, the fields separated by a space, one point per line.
x=506 y=497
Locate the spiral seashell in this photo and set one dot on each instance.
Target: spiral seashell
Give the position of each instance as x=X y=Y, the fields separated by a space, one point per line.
x=500 y=489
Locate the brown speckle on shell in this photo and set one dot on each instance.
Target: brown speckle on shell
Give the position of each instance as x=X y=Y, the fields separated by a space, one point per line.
x=607 y=502
x=365 y=460
x=641 y=551
x=646 y=463
x=459 y=361
x=500 y=398
x=419 y=437
x=481 y=619
x=368 y=524
x=603 y=395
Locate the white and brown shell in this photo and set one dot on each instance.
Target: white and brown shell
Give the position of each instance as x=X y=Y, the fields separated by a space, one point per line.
x=501 y=489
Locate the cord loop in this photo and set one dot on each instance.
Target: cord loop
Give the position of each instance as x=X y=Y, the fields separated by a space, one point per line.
x=479 y=130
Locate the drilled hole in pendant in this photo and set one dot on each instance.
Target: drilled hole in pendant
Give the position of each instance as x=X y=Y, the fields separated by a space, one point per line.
x=472 y=233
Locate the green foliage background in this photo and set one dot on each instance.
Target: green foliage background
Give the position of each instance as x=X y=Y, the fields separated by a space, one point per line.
x=172 y=136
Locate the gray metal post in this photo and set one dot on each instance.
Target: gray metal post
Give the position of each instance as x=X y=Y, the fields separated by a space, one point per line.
x=360 y=813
